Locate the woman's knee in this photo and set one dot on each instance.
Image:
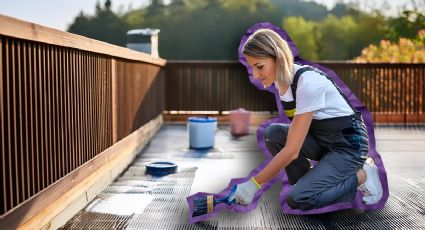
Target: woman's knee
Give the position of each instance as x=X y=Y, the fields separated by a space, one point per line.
x=276 y=132
x=275 y=137
x=297 y=200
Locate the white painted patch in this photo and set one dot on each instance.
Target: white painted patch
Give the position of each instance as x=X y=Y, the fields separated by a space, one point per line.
x=122 y=204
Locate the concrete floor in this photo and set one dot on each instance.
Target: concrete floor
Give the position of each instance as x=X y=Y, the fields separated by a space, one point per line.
x=401 y=148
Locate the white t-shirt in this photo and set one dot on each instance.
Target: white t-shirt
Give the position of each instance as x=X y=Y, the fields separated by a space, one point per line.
x=317 y=94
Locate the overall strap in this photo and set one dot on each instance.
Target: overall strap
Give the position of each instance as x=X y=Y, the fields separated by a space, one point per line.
x=297 y=76
x=290 y=106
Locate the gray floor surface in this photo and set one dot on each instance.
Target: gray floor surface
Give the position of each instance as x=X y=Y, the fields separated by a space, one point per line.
x=136 y=200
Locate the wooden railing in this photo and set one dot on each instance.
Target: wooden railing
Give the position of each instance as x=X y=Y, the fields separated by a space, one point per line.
x=394 y=93
x=64 y=99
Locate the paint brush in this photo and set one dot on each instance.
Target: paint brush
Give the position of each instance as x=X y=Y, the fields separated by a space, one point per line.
x=204 y=205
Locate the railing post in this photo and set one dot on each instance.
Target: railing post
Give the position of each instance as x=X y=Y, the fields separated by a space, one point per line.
x=114 y=101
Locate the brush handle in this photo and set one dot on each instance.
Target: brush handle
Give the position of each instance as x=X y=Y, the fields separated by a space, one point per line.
x=226 y=198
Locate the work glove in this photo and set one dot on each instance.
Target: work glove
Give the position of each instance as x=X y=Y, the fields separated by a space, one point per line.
x=245 y=192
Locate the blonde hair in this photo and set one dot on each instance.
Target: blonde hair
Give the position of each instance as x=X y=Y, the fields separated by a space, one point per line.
x=265 y=43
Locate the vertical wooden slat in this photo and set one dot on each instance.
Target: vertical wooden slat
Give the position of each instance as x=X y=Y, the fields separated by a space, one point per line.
x=100 y=117
x=408 y=92
x=75 y=107
x=385 y=79
x=43 y=111
x=26 y=113
x=404 y=93
x=422 y=89
x=110 y=106
x=103 y=98
x=96 y=81
x=2 y=130
x=381 y=90
x=103 y=111
x=57 y=112
x=106 y=102
x=89 y=100
x=54 y=112
x=73 y=94
x=85 y=114
x=14 y=120
x=81 y=106
x=109 y=101
x=399 y=86
x=92 y=100
x=50 y=140
x=21 y=146
x=416 y=94
x=96 y=120
x=412 y=91
x=44 y=108
x=8 y=124
x=38 y=117
x=67 y=86
x=100 y=114
x=71 y=79
x=61 y=115
x=32 y=121
x=417 y=81
x=114 y=101
x=391 y=91
x=394 y=91
x=68 y=128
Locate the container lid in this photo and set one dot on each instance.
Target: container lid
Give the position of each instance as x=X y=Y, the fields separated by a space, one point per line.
x=202 y=119
x=146 y=31
x=240 y=110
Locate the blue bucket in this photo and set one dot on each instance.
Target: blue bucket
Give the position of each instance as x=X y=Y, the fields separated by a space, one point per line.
x=201 y=132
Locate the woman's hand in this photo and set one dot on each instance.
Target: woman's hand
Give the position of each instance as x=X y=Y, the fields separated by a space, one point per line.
x=245 y=192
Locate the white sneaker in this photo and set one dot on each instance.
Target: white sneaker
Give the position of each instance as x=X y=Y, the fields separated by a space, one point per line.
x=372 y=188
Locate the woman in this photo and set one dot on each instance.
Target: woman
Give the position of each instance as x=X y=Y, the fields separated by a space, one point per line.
x=325 y=128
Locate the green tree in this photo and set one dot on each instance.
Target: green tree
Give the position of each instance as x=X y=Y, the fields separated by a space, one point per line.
x=309 y=10
x=211 y=29
x=250 y=5
x=407 y=25
x=104 y=25
x=335 y=38
x=304 y=35
x=370 y=30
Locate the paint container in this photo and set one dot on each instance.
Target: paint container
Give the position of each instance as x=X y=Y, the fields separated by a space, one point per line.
x=239 y=120
x=161 y=168
x=201 y=132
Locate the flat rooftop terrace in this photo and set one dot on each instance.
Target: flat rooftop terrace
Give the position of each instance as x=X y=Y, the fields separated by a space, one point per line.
x=139 y=201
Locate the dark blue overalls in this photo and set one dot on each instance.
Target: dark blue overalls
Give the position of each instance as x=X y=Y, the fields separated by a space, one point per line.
x=340 y=145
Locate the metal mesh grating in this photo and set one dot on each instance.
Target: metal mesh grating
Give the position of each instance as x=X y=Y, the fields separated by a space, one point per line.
x=405 y=208
x=167 y=206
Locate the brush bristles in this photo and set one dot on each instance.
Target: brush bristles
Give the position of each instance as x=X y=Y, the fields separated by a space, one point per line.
x=203 y=205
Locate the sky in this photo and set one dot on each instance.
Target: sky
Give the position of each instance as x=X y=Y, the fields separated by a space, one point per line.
x=59 y=14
